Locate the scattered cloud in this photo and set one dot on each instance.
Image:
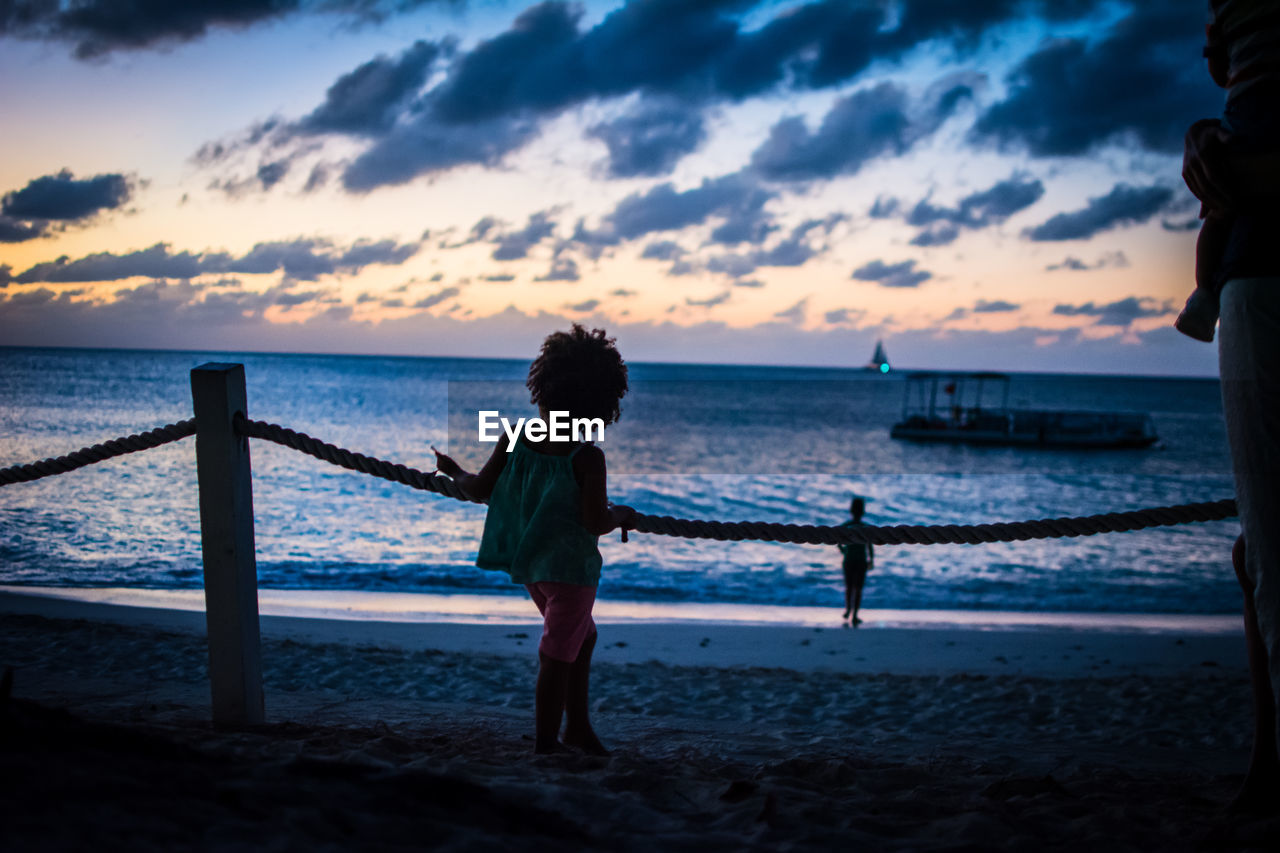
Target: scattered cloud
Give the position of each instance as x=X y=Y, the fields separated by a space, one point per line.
x=516 y=244
x=710 y=302
x=436 y=298
x=367 y=100
x=997 y=306
x=843 y=316
x=735 y=200
x=100 y=27
x=940 y=225
x=1124 y=205
x=587 y=305
x=1066 y=99
x=1111 y=259
x=1119 y=313
x=663 y=250
x=901 y=274
x=651 y=139
x=61 y=198
x=795 y=314
x=562 y=269
x=301 y=259
x=866 y=124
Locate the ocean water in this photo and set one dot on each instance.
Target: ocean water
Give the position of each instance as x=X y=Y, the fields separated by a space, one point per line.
x=724 y=442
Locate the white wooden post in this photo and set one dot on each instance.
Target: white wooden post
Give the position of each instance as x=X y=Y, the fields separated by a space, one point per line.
x=226 y=532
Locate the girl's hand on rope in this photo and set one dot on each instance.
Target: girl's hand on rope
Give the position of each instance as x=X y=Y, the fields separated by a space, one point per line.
x=445 y=464
x=624 y=518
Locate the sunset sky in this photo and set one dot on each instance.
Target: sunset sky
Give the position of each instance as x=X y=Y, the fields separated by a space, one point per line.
x=989 y=184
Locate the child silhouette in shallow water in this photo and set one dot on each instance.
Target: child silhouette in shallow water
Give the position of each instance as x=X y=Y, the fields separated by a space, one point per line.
x=548 y=504
x=858 y=560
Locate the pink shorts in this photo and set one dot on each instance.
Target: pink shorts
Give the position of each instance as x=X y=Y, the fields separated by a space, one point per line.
x=566 y=617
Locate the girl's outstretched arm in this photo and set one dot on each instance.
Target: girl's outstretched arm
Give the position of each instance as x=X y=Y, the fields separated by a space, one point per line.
x=478 y=486
x=598 y=515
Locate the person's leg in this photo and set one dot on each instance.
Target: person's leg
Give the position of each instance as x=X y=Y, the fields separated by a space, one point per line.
x=567 y=626
x=857 y=599
x=577 y=726
x=1249 y=363
x=1263 y=778
x=549 y=698
x=848 y=595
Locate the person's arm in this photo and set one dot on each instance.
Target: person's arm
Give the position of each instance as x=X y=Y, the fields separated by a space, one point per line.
x=598 y=515
x=871 y=557
x=478 y=486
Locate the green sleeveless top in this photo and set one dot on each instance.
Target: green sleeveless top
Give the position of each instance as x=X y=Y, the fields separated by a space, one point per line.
x=534 y=527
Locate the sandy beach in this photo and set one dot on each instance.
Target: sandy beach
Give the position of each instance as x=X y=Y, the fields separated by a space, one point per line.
x=388 y=734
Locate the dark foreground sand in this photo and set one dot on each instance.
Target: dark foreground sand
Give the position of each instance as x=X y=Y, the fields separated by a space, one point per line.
x=106 y=744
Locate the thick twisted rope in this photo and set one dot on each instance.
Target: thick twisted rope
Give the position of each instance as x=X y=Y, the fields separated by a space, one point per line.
x=351 y=460
x=960 y=534
x=98 y=453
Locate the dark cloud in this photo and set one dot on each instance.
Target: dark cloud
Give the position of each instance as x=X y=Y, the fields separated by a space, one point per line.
x=937 y=234
x=99 y=27
x=425 y=146
x=940 y=226
x=1191 y=224
x=562 y=269
x=901 y=274
x=840 y=316
x=1111 y=259
x=997 y=306
x=6 y=275
x=436 y=298
x=794 y=250
x=794 y=314
x=13 y=231
x=516 y=244
x=302 y=259
x=709 y=302
x=735 y=199
x=732 y=265
x=859 y=127
x=498 y=277
x=1119 y=313
x=544 y=63
x=885 y=207
x=63 y=198
x=1124 y=205
x=650 y=140
x=366 y=101
x=1141 y=81
x=663 y=250
x=680 y=57
x=588 y=305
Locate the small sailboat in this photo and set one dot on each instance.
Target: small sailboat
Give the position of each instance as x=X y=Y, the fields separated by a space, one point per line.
x=879 y=361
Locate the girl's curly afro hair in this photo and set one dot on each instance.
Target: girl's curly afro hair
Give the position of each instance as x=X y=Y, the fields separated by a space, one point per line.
x=579 y=372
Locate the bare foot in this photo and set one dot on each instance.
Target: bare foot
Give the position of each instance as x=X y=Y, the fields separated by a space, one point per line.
x=552 y=748
x=585 y=741
x=856 y=621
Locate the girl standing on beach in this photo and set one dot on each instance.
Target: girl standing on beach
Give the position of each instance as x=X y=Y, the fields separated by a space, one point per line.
x=548 y=504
